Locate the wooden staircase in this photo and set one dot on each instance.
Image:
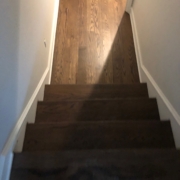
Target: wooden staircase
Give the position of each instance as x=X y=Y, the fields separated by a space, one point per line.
x=97 y=132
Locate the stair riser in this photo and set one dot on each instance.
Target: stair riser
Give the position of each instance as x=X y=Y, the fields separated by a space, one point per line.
x=54 y=137
x=97 y=110
x=77 y=92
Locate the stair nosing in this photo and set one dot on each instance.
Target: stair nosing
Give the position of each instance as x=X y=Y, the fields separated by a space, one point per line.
x=100 y=99
x=155 y=121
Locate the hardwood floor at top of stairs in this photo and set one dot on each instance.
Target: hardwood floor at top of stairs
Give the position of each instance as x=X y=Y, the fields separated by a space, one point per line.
x=94 y=43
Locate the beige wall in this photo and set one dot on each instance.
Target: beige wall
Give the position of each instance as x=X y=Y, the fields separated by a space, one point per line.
x=24 y=25
x=157 y=24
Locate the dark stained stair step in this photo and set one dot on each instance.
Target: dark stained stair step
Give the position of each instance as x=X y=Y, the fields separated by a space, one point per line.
x=113 y=164
x=89 y=110
x=98 y=135
x=75 y=92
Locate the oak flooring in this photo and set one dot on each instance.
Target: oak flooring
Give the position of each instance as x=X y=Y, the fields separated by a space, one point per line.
x=94 y=44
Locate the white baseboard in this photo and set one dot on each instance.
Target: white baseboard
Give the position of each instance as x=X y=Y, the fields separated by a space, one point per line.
x=53 y=35
x=16 y=137
x=128 y=6
x=166 y=109
x=30 y=111
x=2 y=159
x=9 y=146
x=5 y=166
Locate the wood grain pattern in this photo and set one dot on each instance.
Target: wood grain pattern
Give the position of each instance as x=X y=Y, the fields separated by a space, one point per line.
x=66 y=46
x=82 y=62
x=96 y=102
x=98 y=135
x=106 y=62
x=82 y=24
x=85 y=92
x=97 y=110
x=94 y=44
x=122 y=164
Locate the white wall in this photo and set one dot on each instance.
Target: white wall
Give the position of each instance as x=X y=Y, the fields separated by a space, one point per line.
x=156 y=29
x=24 y=59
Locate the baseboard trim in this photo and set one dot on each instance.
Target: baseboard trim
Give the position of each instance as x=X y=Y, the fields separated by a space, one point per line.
x=128 y=6
x=2 y=160
x=53 y=35
x=136 y=44
x=143 y=70
x=12 y=138
x=6 y=155
x=5 y=164
x=162 y=95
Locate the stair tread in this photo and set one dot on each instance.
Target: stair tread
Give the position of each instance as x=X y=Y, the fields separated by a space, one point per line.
x=108 y=131
x=128 y=163
x=95 y=135
x=67 y=92
x=110 y=109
